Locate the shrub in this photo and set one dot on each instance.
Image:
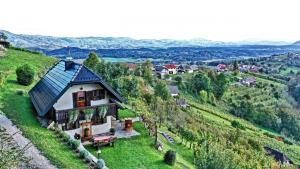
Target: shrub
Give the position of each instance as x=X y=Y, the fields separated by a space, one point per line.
x=61 y=134
x=287 y=142
x=75 y=144
x=170 y=157
x=66 y=137
x=237 y=124
x=100 y=164
x=83 y=153
x=269 y=135
x=20 y=92
x=25 y=75
x=254 y=144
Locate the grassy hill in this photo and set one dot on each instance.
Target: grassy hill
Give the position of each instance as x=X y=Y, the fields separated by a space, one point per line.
x=18 y=108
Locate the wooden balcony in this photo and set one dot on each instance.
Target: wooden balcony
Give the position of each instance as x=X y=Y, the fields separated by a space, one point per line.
x=61 y=116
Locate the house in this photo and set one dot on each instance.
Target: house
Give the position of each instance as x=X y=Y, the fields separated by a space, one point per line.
x=161 y=71
x=173 y=90
x=278 y=156
x=182 y=103
x=171 y=68
x=249 y=81
x=131 y=66
x=254 y=69
x=76 y=99
x=194 y=67
x=184 y=69
x=221 y=68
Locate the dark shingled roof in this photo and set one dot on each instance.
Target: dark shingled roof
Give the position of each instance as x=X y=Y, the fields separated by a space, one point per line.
x=173 y=89
x=58 y=79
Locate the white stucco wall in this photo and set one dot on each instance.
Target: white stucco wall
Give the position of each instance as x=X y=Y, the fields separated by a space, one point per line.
x=66 y=100
x=96 y=129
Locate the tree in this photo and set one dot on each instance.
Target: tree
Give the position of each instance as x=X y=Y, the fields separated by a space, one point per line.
x=147 y=71
x=92 y=61
x=138 y=71
x=157 y=108
x=25 y=75
x=201 y=82
x=161 y=90
x=235 y=66
x=203 y=96
x=170 y=157
x=178 y=80
x=221 y=85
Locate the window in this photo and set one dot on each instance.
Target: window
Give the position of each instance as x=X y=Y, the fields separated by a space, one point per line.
x=98 y=94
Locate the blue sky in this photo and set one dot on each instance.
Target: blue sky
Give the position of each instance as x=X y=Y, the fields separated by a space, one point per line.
x=223 y=20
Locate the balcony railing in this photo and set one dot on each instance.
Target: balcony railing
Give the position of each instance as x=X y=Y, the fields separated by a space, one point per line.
x=62 y=115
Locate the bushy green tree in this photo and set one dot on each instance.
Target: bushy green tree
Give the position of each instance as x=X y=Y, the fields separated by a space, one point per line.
x=92 y=61
x=178 y=80
x=25 y=74
x=170 y=157
x=203 y=96
x=161 y=90
x=201 y=82
x=147 y=72
x=221 y=85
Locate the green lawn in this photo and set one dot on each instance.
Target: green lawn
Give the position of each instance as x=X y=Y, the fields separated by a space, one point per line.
x=133 y=153
x=126 y=113
x=18 y=108
x=139 y=152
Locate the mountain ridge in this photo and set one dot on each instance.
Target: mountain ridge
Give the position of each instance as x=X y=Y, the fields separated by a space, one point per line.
x=93 y=42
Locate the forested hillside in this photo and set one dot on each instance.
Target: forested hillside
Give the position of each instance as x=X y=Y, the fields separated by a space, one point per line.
x=223 y=127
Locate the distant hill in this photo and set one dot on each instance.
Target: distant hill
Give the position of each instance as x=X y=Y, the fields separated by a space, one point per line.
x=50 y=42
x=297 y=43
x=165 y=49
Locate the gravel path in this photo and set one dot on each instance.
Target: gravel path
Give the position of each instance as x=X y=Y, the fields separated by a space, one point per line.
x=37 y=159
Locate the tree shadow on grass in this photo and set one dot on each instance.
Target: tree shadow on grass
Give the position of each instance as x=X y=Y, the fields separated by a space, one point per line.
x=12 y=81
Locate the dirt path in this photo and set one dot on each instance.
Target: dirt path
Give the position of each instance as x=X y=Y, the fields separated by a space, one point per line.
x=37 y=159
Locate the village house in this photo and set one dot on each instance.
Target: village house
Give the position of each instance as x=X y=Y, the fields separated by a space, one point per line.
x=171 y=68
x=76 y=99
x=184 y=69
x=182 y=103
x=161 y=71
x=131 y=66
x=173 y=90
x=221 y=67
x=249 y=68
x=194 y=67
x=249 y=81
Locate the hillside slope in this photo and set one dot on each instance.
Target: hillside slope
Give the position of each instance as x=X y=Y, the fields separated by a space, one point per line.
x=18 y=108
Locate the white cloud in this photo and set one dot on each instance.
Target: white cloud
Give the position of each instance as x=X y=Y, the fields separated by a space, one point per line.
x=226 y=20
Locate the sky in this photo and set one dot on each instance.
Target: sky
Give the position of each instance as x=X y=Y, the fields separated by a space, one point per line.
x=220 y=20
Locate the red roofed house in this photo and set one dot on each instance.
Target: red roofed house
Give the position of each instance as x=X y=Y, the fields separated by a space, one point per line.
x=131 y=66
x=171 y=68
x=221 y=67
